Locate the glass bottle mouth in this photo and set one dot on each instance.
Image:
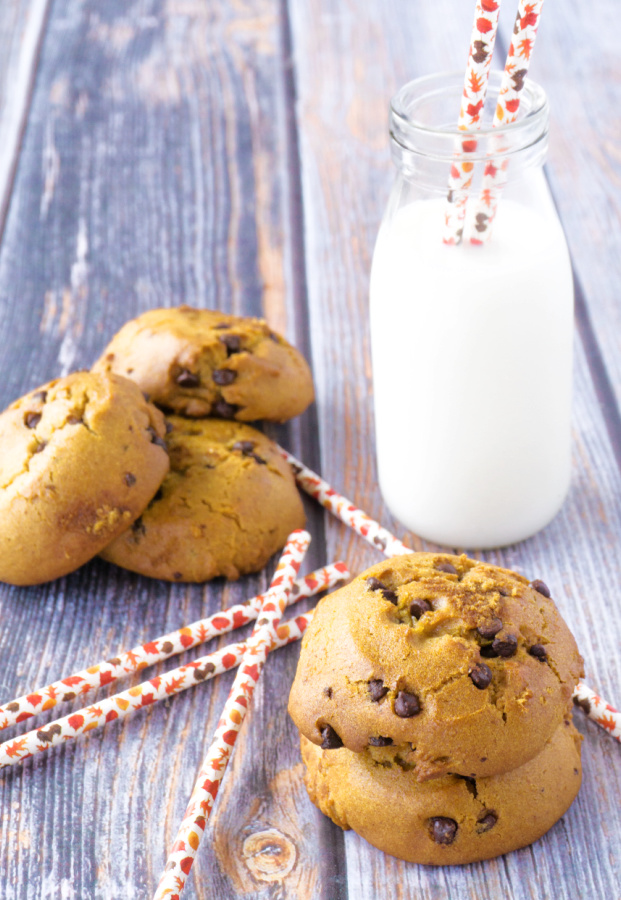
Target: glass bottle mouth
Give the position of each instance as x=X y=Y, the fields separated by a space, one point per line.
x=424 y=113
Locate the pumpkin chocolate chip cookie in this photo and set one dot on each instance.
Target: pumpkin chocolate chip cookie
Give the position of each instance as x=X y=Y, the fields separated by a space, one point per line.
x=80 y=458
x=198 y=363
x=228 y=503
x=449 y=820
x=449 y=664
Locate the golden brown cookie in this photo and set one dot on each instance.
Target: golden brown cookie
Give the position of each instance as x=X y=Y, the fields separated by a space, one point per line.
x=80 y=458
x=460 y=665
x=450 y=820
x=197 y=362
x=228 y=503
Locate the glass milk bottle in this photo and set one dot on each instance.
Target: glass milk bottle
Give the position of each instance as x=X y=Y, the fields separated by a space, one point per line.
x=471 y=344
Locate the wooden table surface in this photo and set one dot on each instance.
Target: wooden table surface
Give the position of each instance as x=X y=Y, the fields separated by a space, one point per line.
x=234 y=154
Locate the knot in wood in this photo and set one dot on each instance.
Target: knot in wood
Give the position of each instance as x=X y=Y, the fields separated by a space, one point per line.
x=269 y=855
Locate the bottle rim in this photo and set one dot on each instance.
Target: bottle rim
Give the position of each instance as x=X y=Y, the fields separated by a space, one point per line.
x=439 y=141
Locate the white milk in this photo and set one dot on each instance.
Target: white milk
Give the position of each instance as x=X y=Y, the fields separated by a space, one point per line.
x=472 y=356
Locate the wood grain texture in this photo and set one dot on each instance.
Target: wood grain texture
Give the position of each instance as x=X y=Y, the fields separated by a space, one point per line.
x=346 y=177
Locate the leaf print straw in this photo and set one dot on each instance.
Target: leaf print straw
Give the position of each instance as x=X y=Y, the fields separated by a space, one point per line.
x=158 y=650
x=199 y=808
x=484 y=30
x=142 y=695
x=380 y=538
x=512 y=84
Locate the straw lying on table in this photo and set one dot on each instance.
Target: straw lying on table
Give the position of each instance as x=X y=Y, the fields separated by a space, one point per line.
x=158 y=650
x=484 y=31
x=591 y=703
x=514 y=76
x=263 y=637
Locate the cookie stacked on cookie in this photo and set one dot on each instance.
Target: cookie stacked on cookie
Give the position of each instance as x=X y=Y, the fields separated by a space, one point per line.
x=433 y=698
x=89 y=465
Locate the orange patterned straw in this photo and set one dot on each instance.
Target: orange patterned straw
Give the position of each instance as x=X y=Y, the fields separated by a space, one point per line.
x=263 y=637
x=484 y=31
x=158 y=650
x=514 y=76
x=593 y=705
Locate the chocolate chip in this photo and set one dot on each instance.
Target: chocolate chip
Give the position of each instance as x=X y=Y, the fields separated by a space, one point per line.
x=490 y=629
x=244 y=447
x=374 y=584
x=584 y=705
x=232 y=342
x=377 y=689
x=480 y=675
x=41 y=396
x=419 y=607
x=129 y=479
x=506 y=646
x=406 y=705
x=541 y=587
x=328 y=692
x=539 y=652
x=187 y=379
x=40 y=447
x=380 y=741
x=156 y=439
x=330 y=739
x=486 y=822
x=146 y=396
x=138 y=526
x=446 y=567
x=177 y=576
x=391 y=596
x=74 y=420
x=223 y=377
x=488 y=652
x=442 y=829
x=32 y=419
x=221 y=325
x=225 y=410
x=274 y=337
x=168 y=426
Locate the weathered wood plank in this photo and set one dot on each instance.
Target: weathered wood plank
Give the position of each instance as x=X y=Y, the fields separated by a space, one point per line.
x=22 y=23
x=168 y=125
x=346 y=177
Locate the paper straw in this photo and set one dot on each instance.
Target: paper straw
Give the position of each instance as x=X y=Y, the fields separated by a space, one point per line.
x=598 y=710
x=512 y=84
x=372 y=532
x=484 y=30
x=162 y=648
x=199 y=808
x=142 y=695
x=593 y=705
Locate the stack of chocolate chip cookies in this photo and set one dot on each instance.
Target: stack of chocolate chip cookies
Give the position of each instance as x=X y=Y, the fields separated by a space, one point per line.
x=89 y=465
x=433 y=699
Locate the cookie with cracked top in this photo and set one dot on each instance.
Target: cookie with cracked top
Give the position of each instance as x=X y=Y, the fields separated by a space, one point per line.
x=80 y=458
x=461 y=664
x=228 y=503
x=450 y=820
x=199 y=362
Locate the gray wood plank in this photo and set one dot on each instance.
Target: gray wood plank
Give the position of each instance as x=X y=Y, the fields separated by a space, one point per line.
x=349 y=62
x=168 y=125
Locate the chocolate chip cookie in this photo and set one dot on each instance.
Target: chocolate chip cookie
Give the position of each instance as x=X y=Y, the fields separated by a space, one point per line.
x=228 y=503
x=451 y=664
x=198 y=362
x=80 y=458
x=450 y=820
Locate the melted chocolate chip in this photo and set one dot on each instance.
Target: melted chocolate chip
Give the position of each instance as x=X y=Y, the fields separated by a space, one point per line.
x=129 y=479
x=187 y=379
x=480 y=675
x=232 y=342
x=32 y=419
x=380 y=741
x=391 y=596
x=442 y=829
x=446 y=567
x=488 y=652
x=490 y=629
x=486 y=822
x=41 y=396
x=541 y=587
x=406 y=705
x=156 y=439
x=419 y=607
x=539 y=652
x=377 y=689
x=330 y=739
x=223 y=377
x=374 y=584
x=506 y=646
x=225 y=410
